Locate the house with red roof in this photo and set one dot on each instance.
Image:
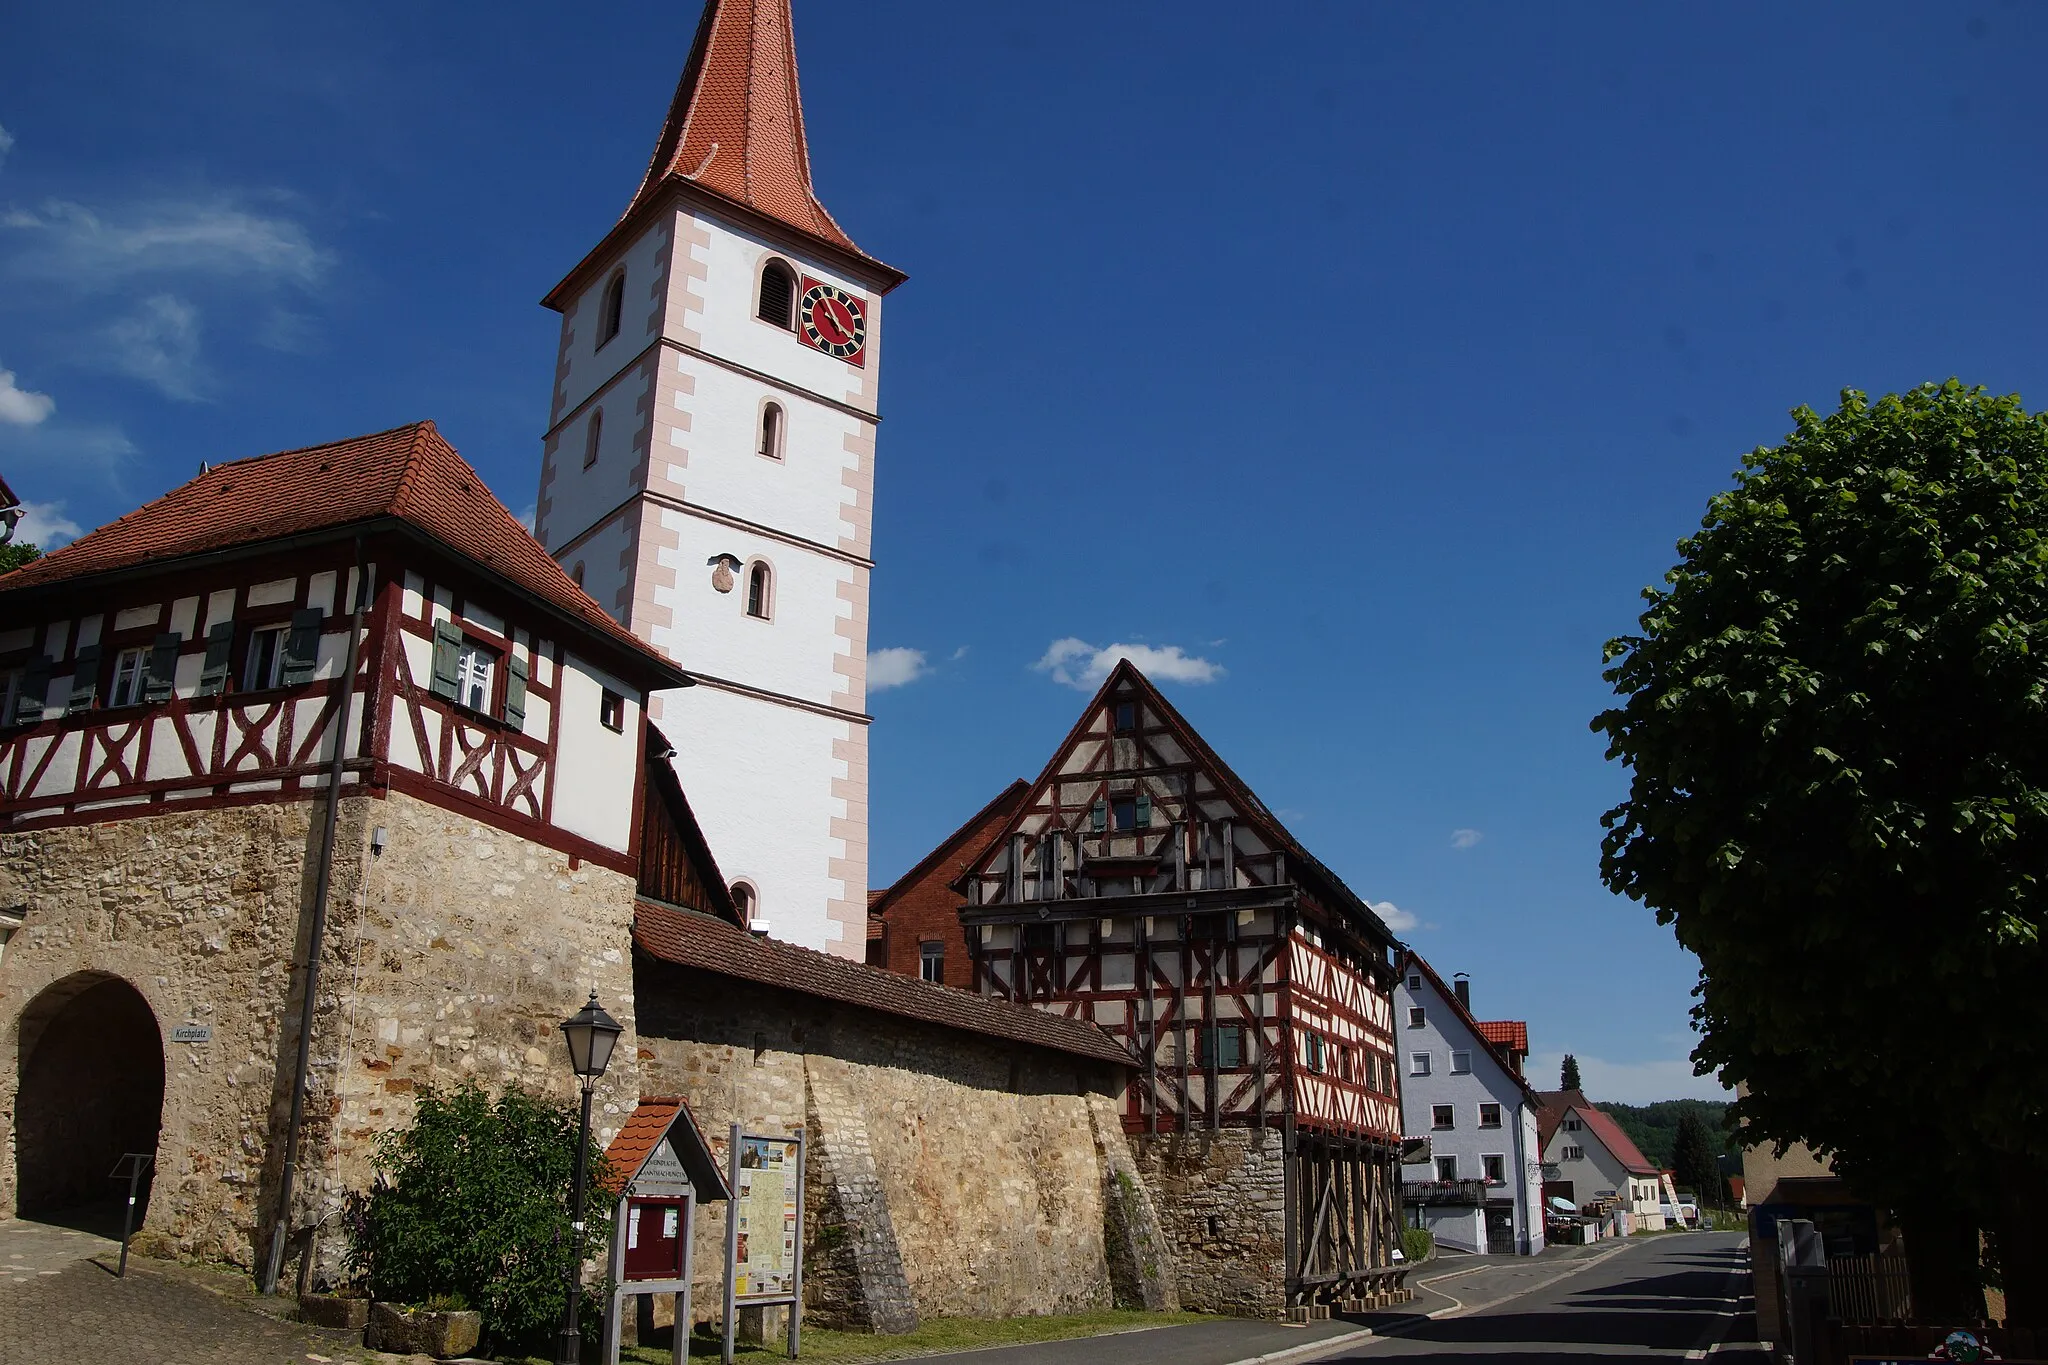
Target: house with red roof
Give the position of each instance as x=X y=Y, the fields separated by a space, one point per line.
x=1481 y=1187
x=1588 y=1159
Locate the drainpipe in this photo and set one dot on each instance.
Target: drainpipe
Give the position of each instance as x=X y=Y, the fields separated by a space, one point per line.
x=321 y=878
x=1527 y=1239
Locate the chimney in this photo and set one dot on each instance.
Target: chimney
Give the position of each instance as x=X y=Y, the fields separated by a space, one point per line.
x=1461 y=986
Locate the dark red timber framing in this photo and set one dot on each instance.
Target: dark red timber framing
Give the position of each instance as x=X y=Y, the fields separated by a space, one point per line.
x=181 y=658
x=1141 y=886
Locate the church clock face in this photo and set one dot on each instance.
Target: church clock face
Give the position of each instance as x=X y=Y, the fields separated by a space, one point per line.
x=834 y=321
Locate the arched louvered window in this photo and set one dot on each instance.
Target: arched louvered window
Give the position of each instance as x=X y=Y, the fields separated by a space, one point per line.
x=771 y=430
x=778 y=294
x=614 y=306
x=592 y=437
x=760 y=590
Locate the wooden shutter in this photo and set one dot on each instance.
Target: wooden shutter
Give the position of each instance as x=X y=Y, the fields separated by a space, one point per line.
x=447 y=658
x=515 y=692
x=301 y=648
x=162 y=680
x=85 y=679
x=1144 y=810
x=33 y=695
x=220 y=642
x=1098 y=816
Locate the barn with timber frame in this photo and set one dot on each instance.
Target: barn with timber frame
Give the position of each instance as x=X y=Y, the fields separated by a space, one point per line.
x=1141 y=886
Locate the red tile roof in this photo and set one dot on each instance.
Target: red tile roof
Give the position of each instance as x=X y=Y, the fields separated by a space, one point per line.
x=961 y=846
x=408 y=473
x=708 y=945
x=645 y=1127
x=1559 y=1103
x=736 y=124
x=1512 y=1034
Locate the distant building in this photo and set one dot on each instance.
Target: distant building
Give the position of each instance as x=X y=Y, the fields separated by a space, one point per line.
x=914 y=926
x=1587 y=1158
x=1482 y=1189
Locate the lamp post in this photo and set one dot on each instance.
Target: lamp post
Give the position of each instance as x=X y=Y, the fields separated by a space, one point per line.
x=591 y=1034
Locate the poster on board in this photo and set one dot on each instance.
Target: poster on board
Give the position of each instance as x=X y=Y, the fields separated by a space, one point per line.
x=765 y=1204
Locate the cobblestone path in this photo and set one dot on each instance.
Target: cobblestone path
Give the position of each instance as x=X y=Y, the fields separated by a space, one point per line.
x=56 y=1306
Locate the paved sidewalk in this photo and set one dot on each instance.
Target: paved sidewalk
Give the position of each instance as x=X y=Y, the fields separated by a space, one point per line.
x=58 y=1305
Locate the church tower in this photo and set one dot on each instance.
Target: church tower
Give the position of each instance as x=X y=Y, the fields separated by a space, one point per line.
x=708 y=471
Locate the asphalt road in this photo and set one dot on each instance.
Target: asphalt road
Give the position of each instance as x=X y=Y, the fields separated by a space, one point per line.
x=1676 y=1297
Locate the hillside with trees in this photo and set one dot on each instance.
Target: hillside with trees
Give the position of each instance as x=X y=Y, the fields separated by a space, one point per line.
x=1654 y=1127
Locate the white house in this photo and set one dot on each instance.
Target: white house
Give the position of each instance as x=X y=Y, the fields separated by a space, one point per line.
x=1587 y=1158
x=1462 y=1088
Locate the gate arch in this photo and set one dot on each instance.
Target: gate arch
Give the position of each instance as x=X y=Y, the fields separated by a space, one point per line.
x=91 y=1067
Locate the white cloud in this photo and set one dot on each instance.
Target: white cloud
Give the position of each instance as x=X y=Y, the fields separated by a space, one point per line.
x=1465 y=838
x=20 y=406
x=103 y=450
x=1629 y=1082
x=957 y=655
x=894 y=667
x=6 y=143
x=526 y=517
x=1081 y=665
x=44 y=524
x=71 y=243
x=1396 y=919
x=159 y=344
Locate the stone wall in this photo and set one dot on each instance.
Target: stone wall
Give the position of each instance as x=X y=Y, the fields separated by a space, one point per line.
x=1221 y=1197
x=951 y=1174
x=452 y=954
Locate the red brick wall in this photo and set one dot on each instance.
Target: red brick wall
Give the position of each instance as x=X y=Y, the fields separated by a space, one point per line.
x=923 y=908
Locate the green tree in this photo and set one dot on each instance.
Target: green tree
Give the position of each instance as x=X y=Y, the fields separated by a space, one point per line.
x=1568 y=1074
x=472 y=1200
x=14 y=554
x=1693 y=1164
x=1836 y=721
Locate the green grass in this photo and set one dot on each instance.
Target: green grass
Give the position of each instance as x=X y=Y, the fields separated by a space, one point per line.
x=932 y=1337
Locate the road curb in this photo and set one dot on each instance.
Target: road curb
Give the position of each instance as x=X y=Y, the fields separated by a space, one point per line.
x=1308 y=1350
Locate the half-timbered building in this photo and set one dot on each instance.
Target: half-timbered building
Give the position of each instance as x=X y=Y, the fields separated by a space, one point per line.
x=1142 y=886
x=334 y=706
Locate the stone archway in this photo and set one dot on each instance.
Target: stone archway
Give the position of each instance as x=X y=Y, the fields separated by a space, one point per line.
x=91 y=1089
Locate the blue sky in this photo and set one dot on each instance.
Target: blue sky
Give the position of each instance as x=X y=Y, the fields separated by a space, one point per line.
x=1360 y=361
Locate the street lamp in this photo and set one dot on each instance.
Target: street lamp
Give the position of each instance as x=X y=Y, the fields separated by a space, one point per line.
x=591 y=1034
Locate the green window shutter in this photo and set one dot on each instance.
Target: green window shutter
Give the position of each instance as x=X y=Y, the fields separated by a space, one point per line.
x=1233 y=1046
x=85 y=679
x=1206 y=1046
x=1098 y=817
x=220 y=642
x=1144 y=810
x=515 y=692
x=162 y=681
x=33 y=695
x=301 y=648
x=447 y=658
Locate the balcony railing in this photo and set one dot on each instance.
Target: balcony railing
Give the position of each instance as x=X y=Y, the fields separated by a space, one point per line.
x=1470 y=1192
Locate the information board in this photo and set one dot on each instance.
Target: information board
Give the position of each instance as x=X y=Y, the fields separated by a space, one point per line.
x=764 y=1241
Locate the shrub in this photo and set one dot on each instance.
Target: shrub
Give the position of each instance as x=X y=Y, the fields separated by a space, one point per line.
x=1416 y=1244
x=471 y=1205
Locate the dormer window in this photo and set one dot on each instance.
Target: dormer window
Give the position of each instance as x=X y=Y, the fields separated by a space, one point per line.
x=760 y=590
x=778 y=295
x=614 y=306
x=771 y=431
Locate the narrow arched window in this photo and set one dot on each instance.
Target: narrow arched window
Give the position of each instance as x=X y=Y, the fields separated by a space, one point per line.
x=760 y=590
x=744 y=901
x=778 y=294
x=592 y=437
x=576 y=574
x=614 y=305
x=771 y=430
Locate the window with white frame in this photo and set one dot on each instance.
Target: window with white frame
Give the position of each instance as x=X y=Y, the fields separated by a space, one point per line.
x=1572 y=1154
x=131 y=667
x=1489 y=1116
x=1415 y=1017
x=611 y=710
x=1418 y=1064
x=1495 y=1168
x=1461 y=1063
x=931 y=961
x=760 y=591
x=1447 y=1169
x=1443 y=1117
x=1572 y=1125
x=475 y=668
x=1415 y=983
x=263 y=665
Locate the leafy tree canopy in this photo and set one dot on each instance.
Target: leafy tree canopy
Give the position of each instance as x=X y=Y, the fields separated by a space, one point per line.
x=16 y=553
x=1836 y=720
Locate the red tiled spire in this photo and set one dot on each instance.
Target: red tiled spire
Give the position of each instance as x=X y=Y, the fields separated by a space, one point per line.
x=736 y=125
